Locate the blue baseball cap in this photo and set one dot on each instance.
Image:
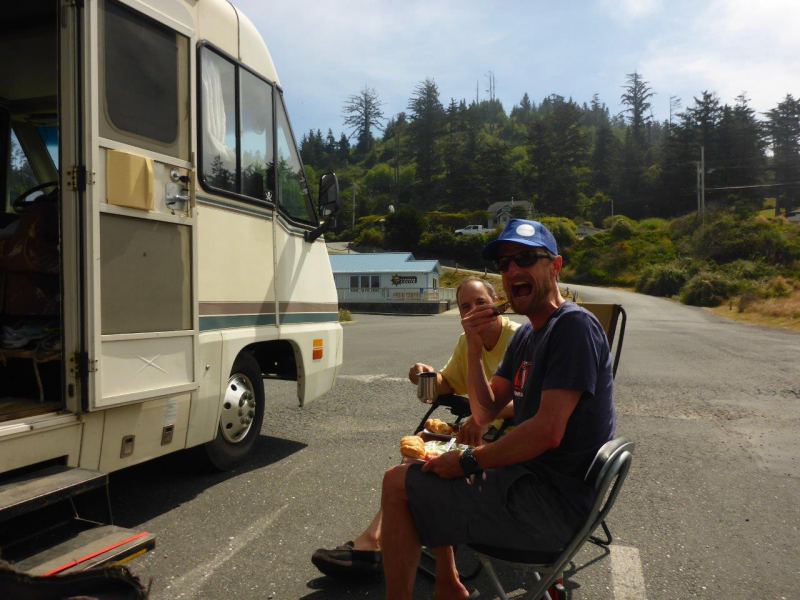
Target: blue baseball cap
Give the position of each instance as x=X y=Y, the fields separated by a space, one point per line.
x=527 y=233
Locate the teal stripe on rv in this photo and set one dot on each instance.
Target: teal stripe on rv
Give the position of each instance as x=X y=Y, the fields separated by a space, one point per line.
x=232 y=321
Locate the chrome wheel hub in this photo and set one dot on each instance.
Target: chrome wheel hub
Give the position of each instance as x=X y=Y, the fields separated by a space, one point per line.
x=238 y=409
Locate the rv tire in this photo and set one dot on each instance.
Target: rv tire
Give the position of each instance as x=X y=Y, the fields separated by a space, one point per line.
x=242 y=413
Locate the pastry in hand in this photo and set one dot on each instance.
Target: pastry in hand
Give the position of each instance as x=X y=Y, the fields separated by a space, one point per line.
x=501 y=306
x=412 y=446
x=438 y=426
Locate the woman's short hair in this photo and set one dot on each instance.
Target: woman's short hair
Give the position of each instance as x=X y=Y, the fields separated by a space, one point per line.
x=489 y=287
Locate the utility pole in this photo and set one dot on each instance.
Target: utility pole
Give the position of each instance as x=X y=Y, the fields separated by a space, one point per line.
x=354 y=207
x=703 y=181
x=701 y=184
x=697 y=187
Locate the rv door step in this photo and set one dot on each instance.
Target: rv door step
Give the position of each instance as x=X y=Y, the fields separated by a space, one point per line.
x=41 y=488
x=90 y=548
x=58 y=520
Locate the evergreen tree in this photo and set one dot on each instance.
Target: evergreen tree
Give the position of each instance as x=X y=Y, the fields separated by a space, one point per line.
x=631 y=193
x=330 y=143
x=343 y=149
x=637 y=100
x=605 y=155
x=362 y=114
x=558 y=150
x=677 y=186
x=783 y=127
x=740 y=157
x=427 y=120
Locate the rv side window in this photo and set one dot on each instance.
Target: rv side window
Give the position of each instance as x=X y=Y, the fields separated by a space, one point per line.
x=293 y=195
x=256 y=135
x=219 y=122
x=144 y=77
x=236 y=124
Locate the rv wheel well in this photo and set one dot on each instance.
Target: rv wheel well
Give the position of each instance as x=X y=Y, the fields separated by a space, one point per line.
x=277 y=359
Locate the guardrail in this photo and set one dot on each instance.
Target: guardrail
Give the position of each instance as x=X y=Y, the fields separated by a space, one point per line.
x=394 y=294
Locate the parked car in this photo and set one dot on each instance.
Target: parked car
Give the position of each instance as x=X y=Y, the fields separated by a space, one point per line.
x=471 y=230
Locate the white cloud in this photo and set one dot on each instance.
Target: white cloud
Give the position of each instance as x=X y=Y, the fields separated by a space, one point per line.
x=631 y=10
x=730 y=47
x=323 y=55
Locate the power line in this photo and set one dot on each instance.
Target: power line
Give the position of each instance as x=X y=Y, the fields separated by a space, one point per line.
x=746 y=187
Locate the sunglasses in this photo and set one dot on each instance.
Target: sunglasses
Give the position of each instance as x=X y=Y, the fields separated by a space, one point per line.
x=521 y=259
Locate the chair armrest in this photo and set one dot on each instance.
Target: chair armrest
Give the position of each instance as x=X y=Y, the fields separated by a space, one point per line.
x=458 y=405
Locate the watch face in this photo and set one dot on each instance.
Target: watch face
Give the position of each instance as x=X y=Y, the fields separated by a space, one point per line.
x=468 y=463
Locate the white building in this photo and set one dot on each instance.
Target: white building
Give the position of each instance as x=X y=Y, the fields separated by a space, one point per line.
x=500 y=213
x=365 y=281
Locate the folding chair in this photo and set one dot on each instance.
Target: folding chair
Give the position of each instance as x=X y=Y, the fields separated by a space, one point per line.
x=606 y=474
x=613 y=318
x=458 y=405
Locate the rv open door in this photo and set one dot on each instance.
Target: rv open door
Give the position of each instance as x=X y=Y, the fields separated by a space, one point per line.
x=140 y=261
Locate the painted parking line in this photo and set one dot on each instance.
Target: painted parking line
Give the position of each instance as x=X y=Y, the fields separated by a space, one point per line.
x=626 y=573
x=371 y=378
x=190 y=585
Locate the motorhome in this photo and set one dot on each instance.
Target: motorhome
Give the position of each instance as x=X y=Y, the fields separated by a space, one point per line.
x=160 y=251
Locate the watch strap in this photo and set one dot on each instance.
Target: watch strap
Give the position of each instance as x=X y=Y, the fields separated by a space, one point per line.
x=468 y=462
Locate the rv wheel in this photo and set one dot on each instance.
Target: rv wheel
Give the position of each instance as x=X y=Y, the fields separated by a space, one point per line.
x=241 y=415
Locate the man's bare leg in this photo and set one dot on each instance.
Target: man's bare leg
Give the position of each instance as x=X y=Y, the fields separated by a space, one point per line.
x=370 y=538
x=448 y=586
x=401 y=545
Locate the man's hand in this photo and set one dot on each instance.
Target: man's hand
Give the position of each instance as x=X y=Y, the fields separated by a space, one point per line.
x=475 y=322
x=446 y=466
x=471 y=433
x=417 y=368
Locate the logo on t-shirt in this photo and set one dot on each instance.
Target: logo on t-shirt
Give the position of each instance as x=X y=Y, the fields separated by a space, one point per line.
x=521 y=377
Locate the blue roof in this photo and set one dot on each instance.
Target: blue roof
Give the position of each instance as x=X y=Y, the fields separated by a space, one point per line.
x=381 y=262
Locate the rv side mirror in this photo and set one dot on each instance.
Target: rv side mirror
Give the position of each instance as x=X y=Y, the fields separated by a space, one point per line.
x=329 y=200
x=329 y=204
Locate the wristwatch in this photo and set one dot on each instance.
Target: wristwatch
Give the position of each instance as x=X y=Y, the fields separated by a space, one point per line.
x=469 y=463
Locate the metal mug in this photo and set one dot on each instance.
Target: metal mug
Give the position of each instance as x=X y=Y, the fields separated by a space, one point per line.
x=426 y=387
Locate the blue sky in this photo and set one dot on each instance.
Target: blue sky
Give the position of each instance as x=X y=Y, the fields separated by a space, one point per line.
x=327 y=50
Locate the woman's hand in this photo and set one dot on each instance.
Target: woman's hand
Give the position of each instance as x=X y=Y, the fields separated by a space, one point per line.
x=471 y=433
x=418 y=368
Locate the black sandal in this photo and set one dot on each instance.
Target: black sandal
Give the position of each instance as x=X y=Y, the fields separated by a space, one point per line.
x=346 y=561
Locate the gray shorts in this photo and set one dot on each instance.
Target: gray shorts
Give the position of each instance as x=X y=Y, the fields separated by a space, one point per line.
x=511 y=507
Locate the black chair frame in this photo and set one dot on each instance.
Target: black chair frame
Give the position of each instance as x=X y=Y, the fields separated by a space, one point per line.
x=606 y=474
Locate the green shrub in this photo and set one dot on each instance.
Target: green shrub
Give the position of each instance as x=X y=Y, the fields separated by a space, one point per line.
x=779 y=287
x=662 y=280
x=345 y=315
x=564 y=230
x=728 y=237
x=748 y=269
x=622 y=228
x=708 y=288
x=369 y=237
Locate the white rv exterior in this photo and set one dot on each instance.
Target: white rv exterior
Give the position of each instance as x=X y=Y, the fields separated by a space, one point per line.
x=184 y=247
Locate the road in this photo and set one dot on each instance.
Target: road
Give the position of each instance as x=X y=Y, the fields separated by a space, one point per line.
x=710 y=508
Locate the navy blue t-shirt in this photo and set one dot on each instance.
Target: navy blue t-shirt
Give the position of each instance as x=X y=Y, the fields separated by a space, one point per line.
x=569 y=352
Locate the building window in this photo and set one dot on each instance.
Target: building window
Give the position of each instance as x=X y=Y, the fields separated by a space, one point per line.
x=435 y=283
x=354 y=283
x=376 y=282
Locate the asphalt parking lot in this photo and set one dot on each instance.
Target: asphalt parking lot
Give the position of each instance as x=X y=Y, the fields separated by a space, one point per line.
x=709 y=510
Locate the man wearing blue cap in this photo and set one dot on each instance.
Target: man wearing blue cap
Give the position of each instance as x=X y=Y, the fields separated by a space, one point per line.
x=525 y=491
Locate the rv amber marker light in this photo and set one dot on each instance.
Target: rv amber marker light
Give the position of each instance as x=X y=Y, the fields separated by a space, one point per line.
x=318 y=350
